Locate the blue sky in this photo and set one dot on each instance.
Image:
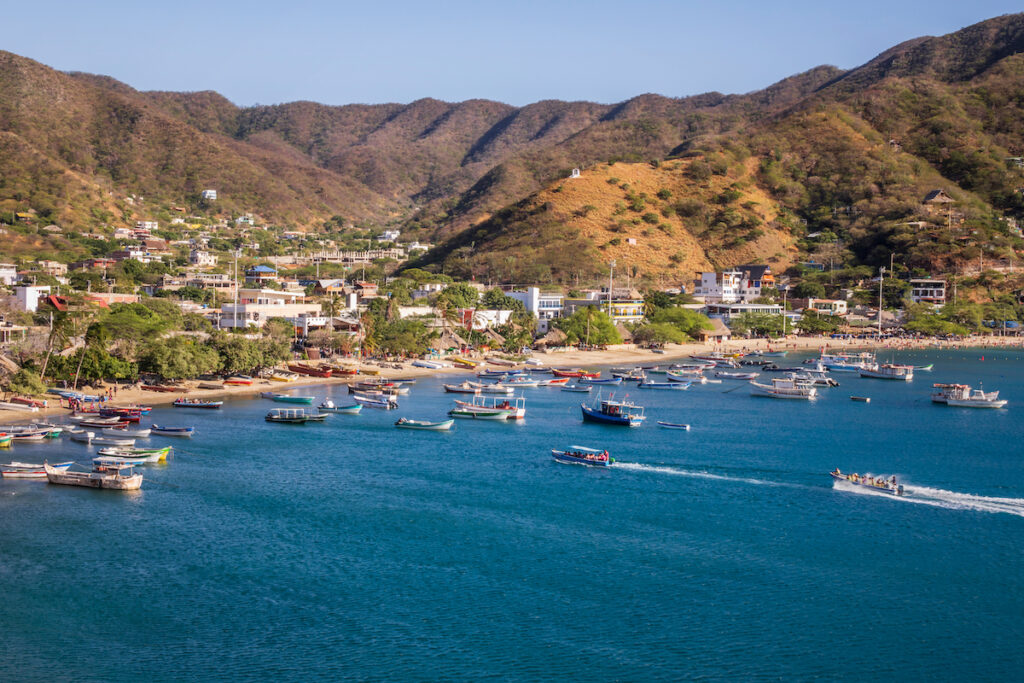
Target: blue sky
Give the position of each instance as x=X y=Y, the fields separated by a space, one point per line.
x=516 y=51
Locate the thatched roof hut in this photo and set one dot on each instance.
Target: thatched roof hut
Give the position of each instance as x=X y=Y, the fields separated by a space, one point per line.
x=554 y=337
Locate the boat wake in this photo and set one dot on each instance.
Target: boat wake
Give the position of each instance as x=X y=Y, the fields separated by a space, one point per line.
x=696 y=474
x=950 y=500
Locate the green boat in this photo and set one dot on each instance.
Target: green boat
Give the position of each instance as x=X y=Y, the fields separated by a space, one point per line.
x=287 y=398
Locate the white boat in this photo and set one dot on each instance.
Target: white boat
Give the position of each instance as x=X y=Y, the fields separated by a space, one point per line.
x=723 y=374
x=4 y=405
x=783 y=388
x=112 y=441
x=888 y=371
x=432 y=365
x=25 y=470
x=441 y=426
x=380 y=402
x=127 y=433
x=814 y=378
x=81 y=436
x=674 y=425
x=496 y=388
x=515 y=406
x=977 y=399
x=102 y=477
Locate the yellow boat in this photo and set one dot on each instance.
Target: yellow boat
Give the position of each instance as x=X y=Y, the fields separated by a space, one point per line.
x=368 y=371
x=283 y=377
x=465 y=362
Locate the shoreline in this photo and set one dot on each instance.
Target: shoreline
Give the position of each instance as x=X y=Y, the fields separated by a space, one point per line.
x=624 y=355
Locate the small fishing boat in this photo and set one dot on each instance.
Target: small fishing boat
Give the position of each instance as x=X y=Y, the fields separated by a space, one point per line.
x=173 y=431
x=581 y=455
x=612 y=412
x=24 y=470
x=432 y=365
x=746 y=376
x=31 y=435
x=577 y=388
x=309 y=370
x=100 y=422
x=464 y=388
x=282 y=376
x=554 y=382
x=925 y=368
x=7 y=405
x=668 y=386
x=210 y=385
x=125 y=433
x=465 y=362
x=28 y=401
x=287 y=398
x=861 y=399
x=6 y=440
x=329 y=407
x=498 y=415
x=783 y=388
x=592 y=380
x=112 y=441
x=119 y=478
x=880 y=484
x=673 y=377
x=293 y=416
x=630 y=376
x=572 y=372
x=82 y=436
x=381 y=403
x=442 y=426
x=197 y=403
x=239 y=380
x=522 y=382
x=515 y=407
x=674 y=425
x=496 y=388
x=154 y=454
x=164 y=388
x=888 y=371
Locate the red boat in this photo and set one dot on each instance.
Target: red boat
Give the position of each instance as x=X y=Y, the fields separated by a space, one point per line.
x=161 y=387
x=576 y=372
x=309 y=370
x=239 y=380
x=26 y=401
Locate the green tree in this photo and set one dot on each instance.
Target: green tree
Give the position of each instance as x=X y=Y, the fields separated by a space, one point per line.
x=757 y=324
x=809 y=290
x=459 y=295
x=26 y=382
x=497 y=300
x=658 y=333
x=178 y=357
x=687 y=321
x=589 y=326
x=811 y=322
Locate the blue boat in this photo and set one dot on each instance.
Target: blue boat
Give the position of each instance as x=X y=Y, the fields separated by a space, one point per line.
x=172 y=431
x=580 y=455
x=591 y=380
x=671 y=386
x=611 y=412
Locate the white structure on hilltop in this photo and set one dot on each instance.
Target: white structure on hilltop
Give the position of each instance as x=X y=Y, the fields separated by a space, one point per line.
x=546 y=306
x=27 y=298
x=208 y=195
x=149 y=226
x=575 y=173
x=198 y=257
x=388 y=236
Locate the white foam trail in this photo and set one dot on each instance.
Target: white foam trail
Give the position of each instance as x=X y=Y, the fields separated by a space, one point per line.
x=950 y=500
x=679 y=472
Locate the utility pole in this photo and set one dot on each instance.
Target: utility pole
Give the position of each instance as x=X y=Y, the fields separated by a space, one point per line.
x=611 y=280
x=785 y=293
x=881 y=280
x=234 y=311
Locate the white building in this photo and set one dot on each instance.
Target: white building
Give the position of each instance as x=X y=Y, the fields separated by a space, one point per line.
x=728 y=311
x=256 y=306
x=741 y=284
x=198 y=257
x=827 y=306
x=388 y=236
x=149 y=226
x=27 y=298
x=208 y=195
x=546 y=306
x=427 y=289
x=8 y=274
x=928 y=290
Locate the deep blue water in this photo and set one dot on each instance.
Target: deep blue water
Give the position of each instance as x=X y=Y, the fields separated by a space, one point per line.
x=353 y=550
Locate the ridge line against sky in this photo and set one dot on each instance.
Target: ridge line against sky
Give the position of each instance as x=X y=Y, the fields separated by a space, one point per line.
x=400 y=50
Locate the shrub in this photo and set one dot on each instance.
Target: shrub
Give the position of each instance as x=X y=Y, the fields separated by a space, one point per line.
x=615 y=241
x=699 y=171
x=668 y=211
x=651 y=218
x=677 y=257
x=664 y=194
x=667 y=229
x=612 y=181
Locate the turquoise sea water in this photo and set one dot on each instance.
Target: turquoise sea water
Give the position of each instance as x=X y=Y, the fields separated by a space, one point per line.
x=354 y=550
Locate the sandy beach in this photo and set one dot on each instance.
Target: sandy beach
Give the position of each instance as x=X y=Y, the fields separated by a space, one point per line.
x=623 y=355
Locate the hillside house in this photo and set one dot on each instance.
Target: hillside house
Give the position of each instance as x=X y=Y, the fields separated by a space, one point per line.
x=8 y=274
x=257 y=276
x=208 y=195
x=740 y=284
x=626 y=307
x=28 y=298
x=202 y=259
x=256 y=306
x=937 y=201
x=928 y=290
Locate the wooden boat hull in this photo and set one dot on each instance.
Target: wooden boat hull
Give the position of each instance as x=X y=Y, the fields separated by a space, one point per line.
x=95 y=480
x=578 y=390
x=204 y=405
x=22 y=470
x=184 y=432
x=303 y=400
x=342 y=410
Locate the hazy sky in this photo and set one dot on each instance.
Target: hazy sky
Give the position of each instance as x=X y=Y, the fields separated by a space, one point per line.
x=517 y=51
